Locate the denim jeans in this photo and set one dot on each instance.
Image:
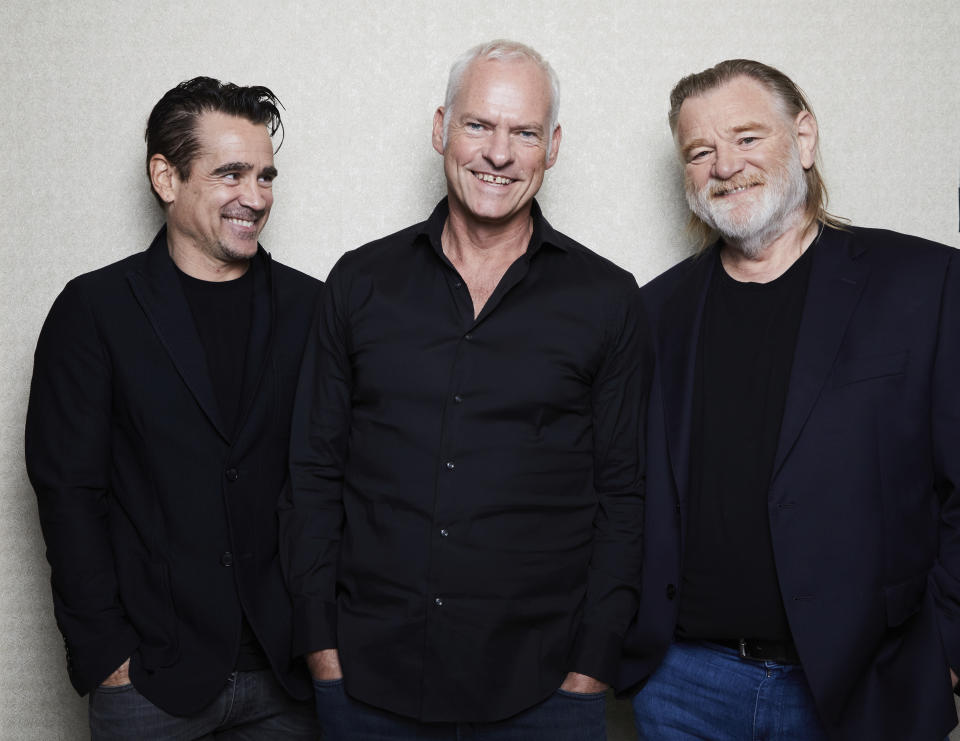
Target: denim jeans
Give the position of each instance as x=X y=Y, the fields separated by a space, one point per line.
x=564 y=716
x=252 y=707
x=706 y=691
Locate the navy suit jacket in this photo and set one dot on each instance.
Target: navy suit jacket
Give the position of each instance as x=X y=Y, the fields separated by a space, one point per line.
x=864 y=507
x=159 y=522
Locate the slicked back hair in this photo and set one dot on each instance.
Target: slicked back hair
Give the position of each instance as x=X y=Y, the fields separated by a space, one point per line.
x=508 y=51
x=172 y=126
x=791 y=100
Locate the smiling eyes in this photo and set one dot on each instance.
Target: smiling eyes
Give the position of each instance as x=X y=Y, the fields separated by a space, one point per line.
x=700 y=154
x=476 y=127
x=265 y=179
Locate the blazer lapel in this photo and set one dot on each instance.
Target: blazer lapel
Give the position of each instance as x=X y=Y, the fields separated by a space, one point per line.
x=159 y=292
x=678 y=335
x=837 y=279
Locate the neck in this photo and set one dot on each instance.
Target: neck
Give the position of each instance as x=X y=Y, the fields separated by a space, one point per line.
x=770 y=261
x=464 y=239
x=197 y=264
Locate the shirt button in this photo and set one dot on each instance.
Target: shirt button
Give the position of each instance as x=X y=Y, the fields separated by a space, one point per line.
x=226 y=559
x=671 y=591
x=468 y=336
x=457 y=398
x=450 y=465
x=458 y=284
x=438 y=602
x=232 y=474
x=444 y=532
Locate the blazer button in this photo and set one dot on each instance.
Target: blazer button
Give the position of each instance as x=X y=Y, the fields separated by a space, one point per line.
x=232 y=474
x=671 y=591
x=226 y=559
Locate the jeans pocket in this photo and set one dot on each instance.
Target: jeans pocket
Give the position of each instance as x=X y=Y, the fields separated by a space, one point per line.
x=582 y=696
x=327 y=684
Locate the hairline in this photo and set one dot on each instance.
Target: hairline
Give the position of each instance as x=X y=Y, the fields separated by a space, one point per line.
x=502 y=50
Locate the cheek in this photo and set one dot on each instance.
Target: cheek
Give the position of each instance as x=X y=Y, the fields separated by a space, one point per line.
x=691 y=181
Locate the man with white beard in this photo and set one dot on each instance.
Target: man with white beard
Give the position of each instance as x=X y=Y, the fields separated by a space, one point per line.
x=802 y=538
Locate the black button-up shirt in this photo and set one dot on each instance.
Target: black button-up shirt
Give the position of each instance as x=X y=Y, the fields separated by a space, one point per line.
x=466 y=507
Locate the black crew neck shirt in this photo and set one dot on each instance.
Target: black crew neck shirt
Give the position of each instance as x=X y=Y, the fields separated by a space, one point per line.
x=222 y=312
x=745 y=354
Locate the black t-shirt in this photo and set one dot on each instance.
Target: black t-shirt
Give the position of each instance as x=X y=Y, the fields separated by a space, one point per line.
x=222 y=312
x=745 y=354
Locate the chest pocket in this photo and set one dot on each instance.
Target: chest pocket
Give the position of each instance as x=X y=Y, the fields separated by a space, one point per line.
x=869 y=367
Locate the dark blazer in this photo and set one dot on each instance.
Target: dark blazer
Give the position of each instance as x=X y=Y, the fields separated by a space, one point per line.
x=158 y=522
x=863 y=503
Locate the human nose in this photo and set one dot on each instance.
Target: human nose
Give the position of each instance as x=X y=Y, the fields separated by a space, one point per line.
x=255 y=195
x=498 y=150
x=727 y=162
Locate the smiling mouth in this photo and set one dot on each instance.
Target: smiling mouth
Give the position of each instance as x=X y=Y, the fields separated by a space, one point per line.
x=486 y=177
x=722 y=192
x=246 y=223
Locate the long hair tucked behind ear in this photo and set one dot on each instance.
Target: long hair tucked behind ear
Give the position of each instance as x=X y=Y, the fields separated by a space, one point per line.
x=172 y=126
x=793 y=101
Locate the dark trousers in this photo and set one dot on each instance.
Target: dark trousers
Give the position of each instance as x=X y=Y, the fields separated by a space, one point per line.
x=252 y=707
x=564 y=716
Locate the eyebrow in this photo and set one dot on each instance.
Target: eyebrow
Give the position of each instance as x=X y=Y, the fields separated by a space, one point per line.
x=750 y=126
x=229 y=167
x=232 y=167
x=690 y=146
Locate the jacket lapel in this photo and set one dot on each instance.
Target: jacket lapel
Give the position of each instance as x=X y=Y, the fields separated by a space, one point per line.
x=837 y=279
x=159 y=292
x=678 y=334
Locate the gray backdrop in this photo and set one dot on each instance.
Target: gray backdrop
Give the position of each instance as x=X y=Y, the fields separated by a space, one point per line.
x=360 y=82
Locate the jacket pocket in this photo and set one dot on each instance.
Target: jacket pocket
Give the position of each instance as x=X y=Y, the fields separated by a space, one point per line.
x=866 y=368
x=904 y=599
x=148 y=600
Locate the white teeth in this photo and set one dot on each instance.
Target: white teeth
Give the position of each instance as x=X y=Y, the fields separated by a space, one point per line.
x=495 y=179
x=241 y=222
x=735 y=190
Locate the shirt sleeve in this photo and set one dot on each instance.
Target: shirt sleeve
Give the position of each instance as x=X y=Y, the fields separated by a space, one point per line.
x=619 y=401
x=945 y=404
x=311 y=505
x=68 y=447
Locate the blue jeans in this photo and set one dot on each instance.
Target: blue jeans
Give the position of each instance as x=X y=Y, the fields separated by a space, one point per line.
x=706 y=691
x=252 y=707
x=564 y=716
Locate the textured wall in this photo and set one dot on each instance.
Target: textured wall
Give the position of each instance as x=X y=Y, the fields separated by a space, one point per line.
x=360 y=82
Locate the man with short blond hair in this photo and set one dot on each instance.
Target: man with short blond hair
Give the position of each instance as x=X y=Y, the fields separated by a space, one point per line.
x=463 y=532
x=802 y=558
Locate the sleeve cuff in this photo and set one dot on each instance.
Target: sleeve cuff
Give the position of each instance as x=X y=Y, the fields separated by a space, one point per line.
x=596 y=653
x=314 y=626
x=90 y=664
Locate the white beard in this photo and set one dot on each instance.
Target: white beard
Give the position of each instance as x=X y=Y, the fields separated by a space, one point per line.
x=776 y=208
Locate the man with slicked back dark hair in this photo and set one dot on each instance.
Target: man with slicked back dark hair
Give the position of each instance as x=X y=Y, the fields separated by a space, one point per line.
x=156 y=442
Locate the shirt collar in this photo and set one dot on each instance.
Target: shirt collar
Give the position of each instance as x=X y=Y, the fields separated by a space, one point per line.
x=543 y=234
